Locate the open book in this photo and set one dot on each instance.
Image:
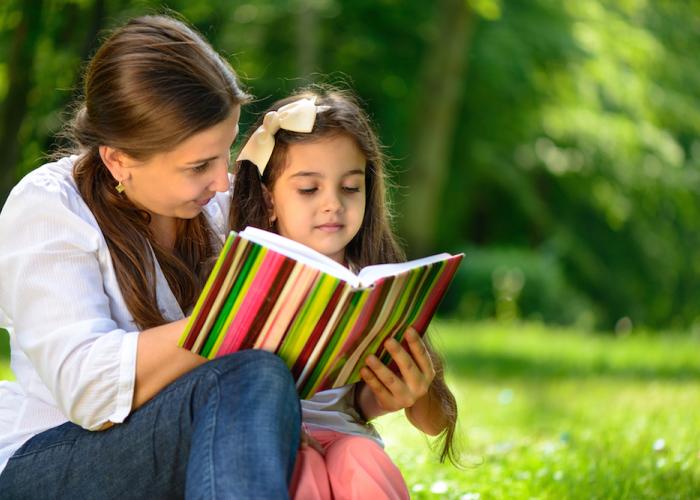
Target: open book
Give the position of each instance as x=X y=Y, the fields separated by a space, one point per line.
x=268 y=292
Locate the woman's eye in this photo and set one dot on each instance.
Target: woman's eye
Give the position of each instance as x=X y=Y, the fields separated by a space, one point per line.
x=307 y=190
x=200 y=168
x=351 y=189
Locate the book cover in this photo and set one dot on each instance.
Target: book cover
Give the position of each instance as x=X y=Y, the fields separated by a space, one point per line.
x=268 y=292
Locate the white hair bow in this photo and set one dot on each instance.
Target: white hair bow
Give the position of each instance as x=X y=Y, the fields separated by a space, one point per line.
x=297 y=116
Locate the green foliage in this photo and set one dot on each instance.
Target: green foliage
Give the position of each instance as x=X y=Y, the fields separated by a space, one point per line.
x=4 y=344
x=577 y=136
x=5 y=372
x=515 y=283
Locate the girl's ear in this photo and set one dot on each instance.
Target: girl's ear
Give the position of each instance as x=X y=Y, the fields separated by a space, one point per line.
x=269 y=204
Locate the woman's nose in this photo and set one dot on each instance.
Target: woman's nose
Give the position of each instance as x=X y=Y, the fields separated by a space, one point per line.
x=220 y=182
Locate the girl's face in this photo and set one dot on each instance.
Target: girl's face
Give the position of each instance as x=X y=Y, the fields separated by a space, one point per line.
x=178 y=183
x=319 y=198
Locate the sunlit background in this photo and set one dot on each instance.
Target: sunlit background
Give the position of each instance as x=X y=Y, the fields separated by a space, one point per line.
x=556 y=143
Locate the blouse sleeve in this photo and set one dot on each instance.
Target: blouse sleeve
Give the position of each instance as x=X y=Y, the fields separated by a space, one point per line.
x=51 y=288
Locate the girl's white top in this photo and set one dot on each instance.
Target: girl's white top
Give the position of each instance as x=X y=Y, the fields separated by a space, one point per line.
x=72 y=338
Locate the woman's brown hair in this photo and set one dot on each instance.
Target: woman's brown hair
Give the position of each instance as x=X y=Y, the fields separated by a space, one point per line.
x=153 y=83
x=375 y=242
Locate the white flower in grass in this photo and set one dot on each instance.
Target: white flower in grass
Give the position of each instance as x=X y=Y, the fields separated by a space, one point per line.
x=505 y=397
x=471 y=496
x=439 y=487
x=548 y=448
x=500 y=448
x=418 y=487
x=659 y=445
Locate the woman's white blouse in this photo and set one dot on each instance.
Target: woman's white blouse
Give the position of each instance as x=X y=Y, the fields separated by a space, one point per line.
x=72 y=338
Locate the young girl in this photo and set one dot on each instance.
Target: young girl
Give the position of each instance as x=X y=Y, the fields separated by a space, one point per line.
x=313 y=172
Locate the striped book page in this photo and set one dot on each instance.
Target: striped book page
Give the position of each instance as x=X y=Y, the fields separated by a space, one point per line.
x=268 y=292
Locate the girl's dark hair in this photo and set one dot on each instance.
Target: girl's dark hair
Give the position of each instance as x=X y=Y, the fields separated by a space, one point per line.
x=375 y=239
x=152 y=84
x=375 y=242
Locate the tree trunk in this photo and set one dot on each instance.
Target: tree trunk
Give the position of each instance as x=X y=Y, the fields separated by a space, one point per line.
x=439 y=97
x=95 y=22
x=20 y=72
x=307 y=41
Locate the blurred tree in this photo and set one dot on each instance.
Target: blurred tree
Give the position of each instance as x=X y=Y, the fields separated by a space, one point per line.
x=20 y=69
x=564 y=130
x=434 y=122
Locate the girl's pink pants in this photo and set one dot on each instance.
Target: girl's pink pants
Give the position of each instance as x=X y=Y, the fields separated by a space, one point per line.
x=353 y=467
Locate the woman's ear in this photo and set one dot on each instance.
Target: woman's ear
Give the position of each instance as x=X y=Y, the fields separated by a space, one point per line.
x=116 y=162
x=269 y=204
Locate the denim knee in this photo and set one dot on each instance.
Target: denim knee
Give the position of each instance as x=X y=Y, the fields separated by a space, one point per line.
x=254 y=370
x=256 y=366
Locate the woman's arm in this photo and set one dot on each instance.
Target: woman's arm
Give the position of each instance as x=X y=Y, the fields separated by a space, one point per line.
x=63 y=301
x=159 y=360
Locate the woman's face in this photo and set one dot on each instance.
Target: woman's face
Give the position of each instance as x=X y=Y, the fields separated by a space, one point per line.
x=180 y=182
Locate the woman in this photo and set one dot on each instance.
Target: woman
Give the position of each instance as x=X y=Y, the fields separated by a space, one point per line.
x=102 y=254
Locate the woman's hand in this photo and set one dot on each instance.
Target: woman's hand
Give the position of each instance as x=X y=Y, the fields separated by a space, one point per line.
x=392 y=392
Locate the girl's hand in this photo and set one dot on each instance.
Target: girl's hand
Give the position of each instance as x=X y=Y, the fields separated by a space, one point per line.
x=394 y=392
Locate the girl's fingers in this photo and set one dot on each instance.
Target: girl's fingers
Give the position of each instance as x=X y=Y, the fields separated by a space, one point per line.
x=381 y=393
x=408 y=368
x=420 y=353
x=394 y=387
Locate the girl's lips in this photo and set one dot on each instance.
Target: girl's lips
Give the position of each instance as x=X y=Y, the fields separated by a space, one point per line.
x=330 y=228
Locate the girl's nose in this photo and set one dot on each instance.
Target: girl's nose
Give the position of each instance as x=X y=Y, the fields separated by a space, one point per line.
x=332 y=203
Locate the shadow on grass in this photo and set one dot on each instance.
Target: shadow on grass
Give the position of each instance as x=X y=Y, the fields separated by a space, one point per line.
x=501 y=365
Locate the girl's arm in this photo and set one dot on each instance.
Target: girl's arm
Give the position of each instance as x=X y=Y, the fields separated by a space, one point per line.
x=159 y=360
x=383 y=391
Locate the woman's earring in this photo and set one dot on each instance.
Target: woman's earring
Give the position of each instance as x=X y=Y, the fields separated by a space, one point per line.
x=119 y=187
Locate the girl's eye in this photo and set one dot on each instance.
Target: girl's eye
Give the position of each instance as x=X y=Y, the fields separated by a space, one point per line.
x=307 y=190
x=351 y=189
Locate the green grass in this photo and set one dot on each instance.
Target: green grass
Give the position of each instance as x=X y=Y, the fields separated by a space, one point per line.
x=549 y=413
x=560 y=414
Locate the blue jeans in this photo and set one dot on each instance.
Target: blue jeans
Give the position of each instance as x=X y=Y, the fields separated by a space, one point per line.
x=228 y=429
